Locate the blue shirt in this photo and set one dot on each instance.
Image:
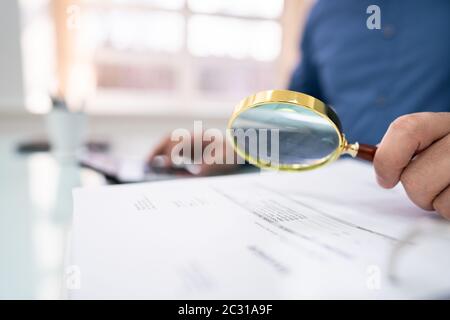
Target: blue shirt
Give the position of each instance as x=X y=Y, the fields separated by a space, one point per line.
x=371 y=77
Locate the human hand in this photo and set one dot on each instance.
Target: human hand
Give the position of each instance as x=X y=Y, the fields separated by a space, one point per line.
x=164 y=151
x=416 y=152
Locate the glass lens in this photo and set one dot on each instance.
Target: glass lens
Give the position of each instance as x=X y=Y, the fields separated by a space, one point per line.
x=282 y=134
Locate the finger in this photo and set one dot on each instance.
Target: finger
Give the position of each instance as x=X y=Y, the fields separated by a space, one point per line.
x=214 y=169
x=428 y=174
x=405 y=137
x=442 y=203
x=160 y=162
x=159 y=149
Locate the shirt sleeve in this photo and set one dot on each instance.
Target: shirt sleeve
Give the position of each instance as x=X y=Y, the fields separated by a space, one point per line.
x=305 y=77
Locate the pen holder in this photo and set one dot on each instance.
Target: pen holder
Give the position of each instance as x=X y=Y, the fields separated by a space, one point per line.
x=66 y=132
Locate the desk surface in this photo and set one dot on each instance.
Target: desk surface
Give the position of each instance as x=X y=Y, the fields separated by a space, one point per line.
x=36 y=202
x=35 y=216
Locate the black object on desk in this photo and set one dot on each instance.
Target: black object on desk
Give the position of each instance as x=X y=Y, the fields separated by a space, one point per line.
x=44 y=146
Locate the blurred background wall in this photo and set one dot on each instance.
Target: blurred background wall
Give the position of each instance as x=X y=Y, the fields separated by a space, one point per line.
x=193 y=58
x=11 y=77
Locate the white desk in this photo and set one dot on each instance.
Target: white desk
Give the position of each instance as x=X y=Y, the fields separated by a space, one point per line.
x=35 y=214
x=36 y=201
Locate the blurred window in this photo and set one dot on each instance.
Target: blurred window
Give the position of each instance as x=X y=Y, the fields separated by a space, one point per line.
x=172 y=56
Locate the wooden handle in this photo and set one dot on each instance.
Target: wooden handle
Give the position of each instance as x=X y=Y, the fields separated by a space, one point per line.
x=366 y=152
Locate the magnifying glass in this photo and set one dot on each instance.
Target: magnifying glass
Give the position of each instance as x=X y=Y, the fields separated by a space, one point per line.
x=291 y=131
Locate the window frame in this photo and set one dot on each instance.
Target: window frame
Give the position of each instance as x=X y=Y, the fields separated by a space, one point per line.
x=115 y=101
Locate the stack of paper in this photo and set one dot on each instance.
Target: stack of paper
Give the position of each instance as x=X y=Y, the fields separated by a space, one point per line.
x=326 y=233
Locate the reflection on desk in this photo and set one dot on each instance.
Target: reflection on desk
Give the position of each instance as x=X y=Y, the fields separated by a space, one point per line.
x=35 y=217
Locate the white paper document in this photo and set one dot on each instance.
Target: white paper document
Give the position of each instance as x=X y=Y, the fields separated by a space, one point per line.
x=326 y=233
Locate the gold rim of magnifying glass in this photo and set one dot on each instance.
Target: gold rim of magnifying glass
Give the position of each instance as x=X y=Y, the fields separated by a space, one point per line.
x=295 y=99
